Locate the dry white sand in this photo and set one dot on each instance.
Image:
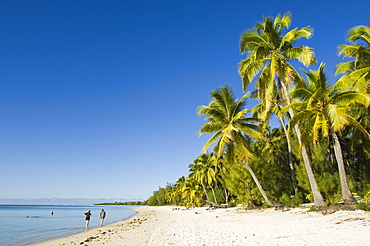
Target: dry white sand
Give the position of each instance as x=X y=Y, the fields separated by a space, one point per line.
x=160 y=226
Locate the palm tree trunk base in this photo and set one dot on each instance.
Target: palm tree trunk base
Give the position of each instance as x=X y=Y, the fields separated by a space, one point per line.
x=216 y=205
x=282 y=208
x=334 y=208
x=278 y=205
x=349 y=205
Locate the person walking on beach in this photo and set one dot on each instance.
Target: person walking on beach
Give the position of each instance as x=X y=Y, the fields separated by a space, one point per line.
x=88 y=215
x=102 y=217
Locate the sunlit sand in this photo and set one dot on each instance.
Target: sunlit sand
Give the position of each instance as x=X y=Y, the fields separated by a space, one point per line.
x=165 y=226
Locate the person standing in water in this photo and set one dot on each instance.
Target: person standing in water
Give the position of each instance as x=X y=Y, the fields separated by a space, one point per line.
x=102 y=217
x=88 y=215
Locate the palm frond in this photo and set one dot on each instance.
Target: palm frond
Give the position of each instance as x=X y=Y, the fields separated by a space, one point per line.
x=299 y=117
x=210 y=141
x=248 y=69
x=213 y=113
x=320 y=126
x=209 y=128
x=359 y=33
x=346 y=98
x=360 y=79
x=358 y=126
x=295 y=34
x=239 y=106
x=344 y=67
x=337 y=117
x=303 y=54
x=348 y=50
x=286 y=20
x=252 y=131
x=250 y=40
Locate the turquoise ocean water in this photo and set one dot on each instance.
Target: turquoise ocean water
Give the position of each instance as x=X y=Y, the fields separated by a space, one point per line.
x=27 y=224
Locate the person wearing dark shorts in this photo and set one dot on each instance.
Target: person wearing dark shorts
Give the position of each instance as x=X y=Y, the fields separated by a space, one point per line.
x=88 y=215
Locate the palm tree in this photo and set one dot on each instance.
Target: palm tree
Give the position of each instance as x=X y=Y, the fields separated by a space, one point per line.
x=357 y=71
x=176 y=192
x=226 y=116
x=269 y=51
x=204 y=169
x=210 y=173
x=195 y=170
x=191 y=191
x=325 y=111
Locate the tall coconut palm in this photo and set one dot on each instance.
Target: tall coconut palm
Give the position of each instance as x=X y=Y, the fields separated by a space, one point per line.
x=325 y=111
x=227 y=120
x=357 y=71
x=269 y=51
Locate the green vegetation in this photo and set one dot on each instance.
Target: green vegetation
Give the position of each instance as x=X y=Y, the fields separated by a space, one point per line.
x=321 y=151
x=121 y=203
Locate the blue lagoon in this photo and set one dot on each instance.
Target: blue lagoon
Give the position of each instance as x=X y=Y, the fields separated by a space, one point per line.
x=27 y=224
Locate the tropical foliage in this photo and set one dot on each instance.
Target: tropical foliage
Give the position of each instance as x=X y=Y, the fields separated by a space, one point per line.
x=320 y=152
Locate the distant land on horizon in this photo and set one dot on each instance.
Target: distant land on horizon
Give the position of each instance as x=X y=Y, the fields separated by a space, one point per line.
x=63 y=201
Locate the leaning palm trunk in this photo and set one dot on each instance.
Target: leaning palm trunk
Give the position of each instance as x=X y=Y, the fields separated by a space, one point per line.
x=214 y=195
x=347 y=197
x=205 y=191
x=317 y=197
x=291 y=166
x=226 y=196
x=269 y=201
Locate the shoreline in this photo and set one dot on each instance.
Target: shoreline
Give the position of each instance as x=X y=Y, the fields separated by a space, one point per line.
x=232 y=226
x=95 y=234
x=81 y=231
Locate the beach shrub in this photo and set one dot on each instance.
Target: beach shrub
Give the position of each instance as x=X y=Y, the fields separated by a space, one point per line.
x=298 y=199
x=270 y=164
x=292 y=201
x=219 y=193
x=238 y=181
x=330 y=188
x=312 y=209
x=159 y=198
x=363 y=206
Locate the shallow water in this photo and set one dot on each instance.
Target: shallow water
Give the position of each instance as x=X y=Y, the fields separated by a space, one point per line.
x=24 y=224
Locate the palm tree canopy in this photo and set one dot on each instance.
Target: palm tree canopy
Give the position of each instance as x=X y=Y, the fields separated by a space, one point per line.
x=357 y=71
x=227 y=120
x=325 y=107
x=204 y=169
x=269 y=50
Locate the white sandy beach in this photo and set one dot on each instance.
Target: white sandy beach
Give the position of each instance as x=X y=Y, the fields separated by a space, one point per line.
x=160 y=226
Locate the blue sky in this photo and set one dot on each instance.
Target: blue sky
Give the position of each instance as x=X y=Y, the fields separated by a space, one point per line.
x=98 y=98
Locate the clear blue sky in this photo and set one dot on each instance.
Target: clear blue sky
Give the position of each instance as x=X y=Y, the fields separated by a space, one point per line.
x=98 y=98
